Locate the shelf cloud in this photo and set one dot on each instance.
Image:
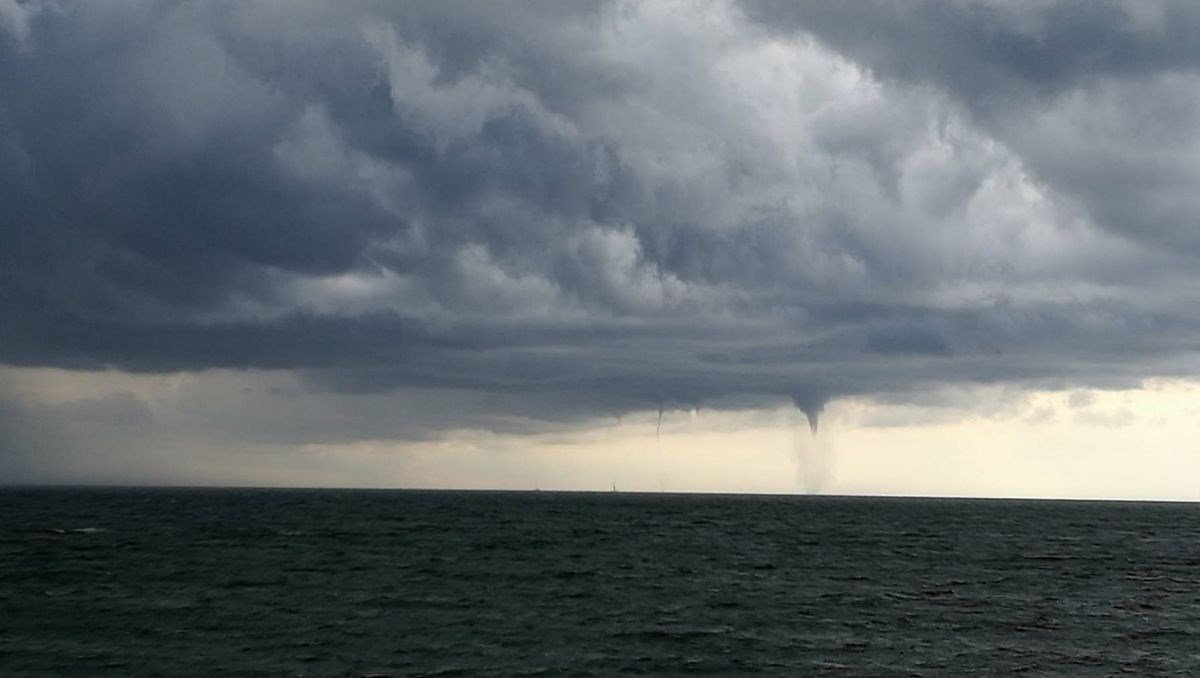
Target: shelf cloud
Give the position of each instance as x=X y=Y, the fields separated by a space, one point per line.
x=567 y=210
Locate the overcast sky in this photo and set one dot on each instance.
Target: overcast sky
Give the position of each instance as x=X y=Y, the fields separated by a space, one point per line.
x=485 y=244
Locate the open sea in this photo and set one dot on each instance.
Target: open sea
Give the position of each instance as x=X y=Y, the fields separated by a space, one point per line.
x=206 y=582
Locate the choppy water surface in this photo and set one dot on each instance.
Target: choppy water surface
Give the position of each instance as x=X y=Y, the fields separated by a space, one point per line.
x=279 y=582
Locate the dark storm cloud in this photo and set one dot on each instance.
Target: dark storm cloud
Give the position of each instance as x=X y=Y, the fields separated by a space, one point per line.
x=991 y=53
x=591 y=208
x=1098 y=98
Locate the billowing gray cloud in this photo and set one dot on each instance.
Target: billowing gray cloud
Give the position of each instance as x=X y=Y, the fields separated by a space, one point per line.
x=1096 y=98
x=594 y=208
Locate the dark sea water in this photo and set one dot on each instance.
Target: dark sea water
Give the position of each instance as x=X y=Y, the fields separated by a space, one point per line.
x=326 y=583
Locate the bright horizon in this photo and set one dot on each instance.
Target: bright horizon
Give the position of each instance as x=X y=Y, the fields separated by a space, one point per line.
x=1002 y=443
